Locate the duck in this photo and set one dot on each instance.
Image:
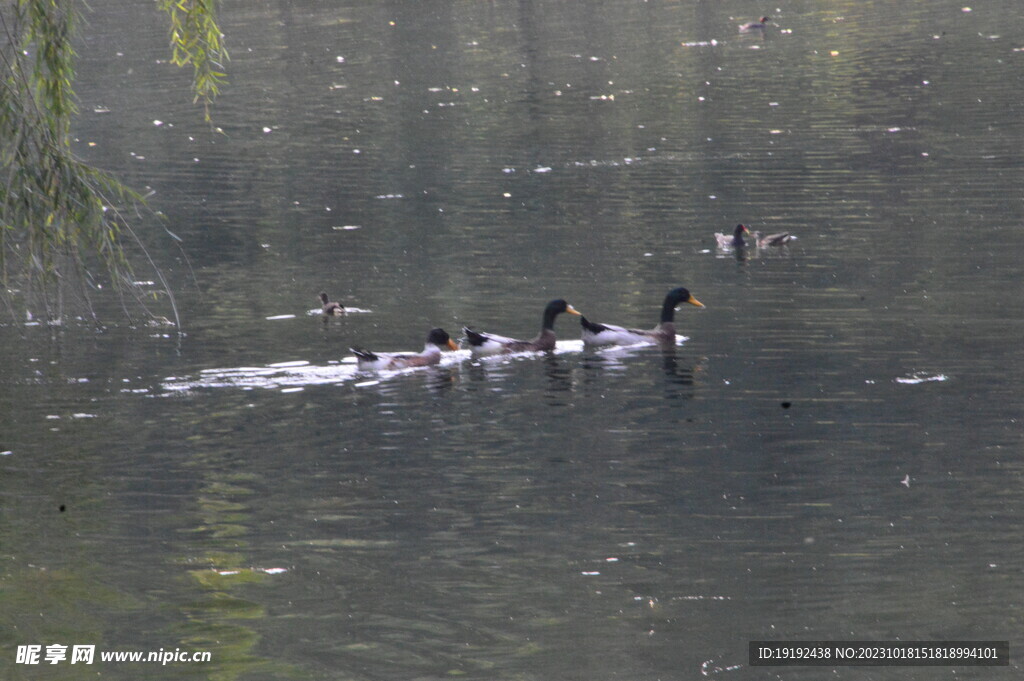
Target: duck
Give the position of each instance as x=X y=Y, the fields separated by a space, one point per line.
x=330 y=308
x=438 y=340
x=769 y=240
x=754 y=25
x=492 y=344
x=734 y=241
x=664 y=332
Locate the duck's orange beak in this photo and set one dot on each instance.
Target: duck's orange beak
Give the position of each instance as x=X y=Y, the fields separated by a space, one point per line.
x=571 y=310
x=452 y=345
x=694 y=301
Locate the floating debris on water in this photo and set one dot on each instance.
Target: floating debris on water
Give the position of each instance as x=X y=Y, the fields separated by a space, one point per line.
x=708 y=668
x=920 y=377
x=702 y=598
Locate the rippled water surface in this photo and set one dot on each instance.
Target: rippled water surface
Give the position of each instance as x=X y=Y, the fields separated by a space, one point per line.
x=832 y=450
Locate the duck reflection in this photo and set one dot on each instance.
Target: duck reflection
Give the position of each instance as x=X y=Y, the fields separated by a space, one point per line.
x=596 y=364
x=679 y=383
x=559 y=385
x=484 y=376
x=440 y=379
x=611 y=357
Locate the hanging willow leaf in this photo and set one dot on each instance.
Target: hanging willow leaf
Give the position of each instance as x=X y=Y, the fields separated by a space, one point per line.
x=196 y=39
x=60 y=217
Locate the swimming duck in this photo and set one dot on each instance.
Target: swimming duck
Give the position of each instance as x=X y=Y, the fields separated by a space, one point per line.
x=778 y=239
x=437 y=340
x=734 y=241
x=754 y=25
x=490 y=344
x=664 y=332
x=330 y=308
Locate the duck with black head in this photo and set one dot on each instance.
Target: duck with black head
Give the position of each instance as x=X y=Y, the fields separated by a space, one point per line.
x=437 y=341
x=736 y=240
x=493 y=344
x=664 y=333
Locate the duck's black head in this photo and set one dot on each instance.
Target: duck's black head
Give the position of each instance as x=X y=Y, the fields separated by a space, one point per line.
x=323 y=297
x=441 y=339
x=676 y=297
x=555 y=308
x=737 y=235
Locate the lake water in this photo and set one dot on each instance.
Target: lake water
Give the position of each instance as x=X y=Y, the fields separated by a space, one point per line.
x=834 y=452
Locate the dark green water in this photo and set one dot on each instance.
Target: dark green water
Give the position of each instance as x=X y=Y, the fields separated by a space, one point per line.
x=240 y=489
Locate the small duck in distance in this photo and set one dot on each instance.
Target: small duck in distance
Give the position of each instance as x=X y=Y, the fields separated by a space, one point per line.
x=770 y=240
x=492 y=344
x=664 y=333
x=754 y=26
x=735 y=241
x=330 y=308
x=437 y=341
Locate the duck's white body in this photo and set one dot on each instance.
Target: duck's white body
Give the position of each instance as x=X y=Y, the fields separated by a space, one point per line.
x=778 y=239
x=664 y=333
x=728 y=242
x=609 y=334
x=437 y=341
x=485 y=344
x=724 y=240
x=388 y=361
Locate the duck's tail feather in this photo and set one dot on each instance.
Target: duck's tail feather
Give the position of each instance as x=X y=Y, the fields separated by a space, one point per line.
x=592 y=327
x=474 y=337
x=364 y=355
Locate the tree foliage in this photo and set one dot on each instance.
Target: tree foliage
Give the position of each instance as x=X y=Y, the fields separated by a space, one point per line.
x=63 y=223
x=196 y=39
